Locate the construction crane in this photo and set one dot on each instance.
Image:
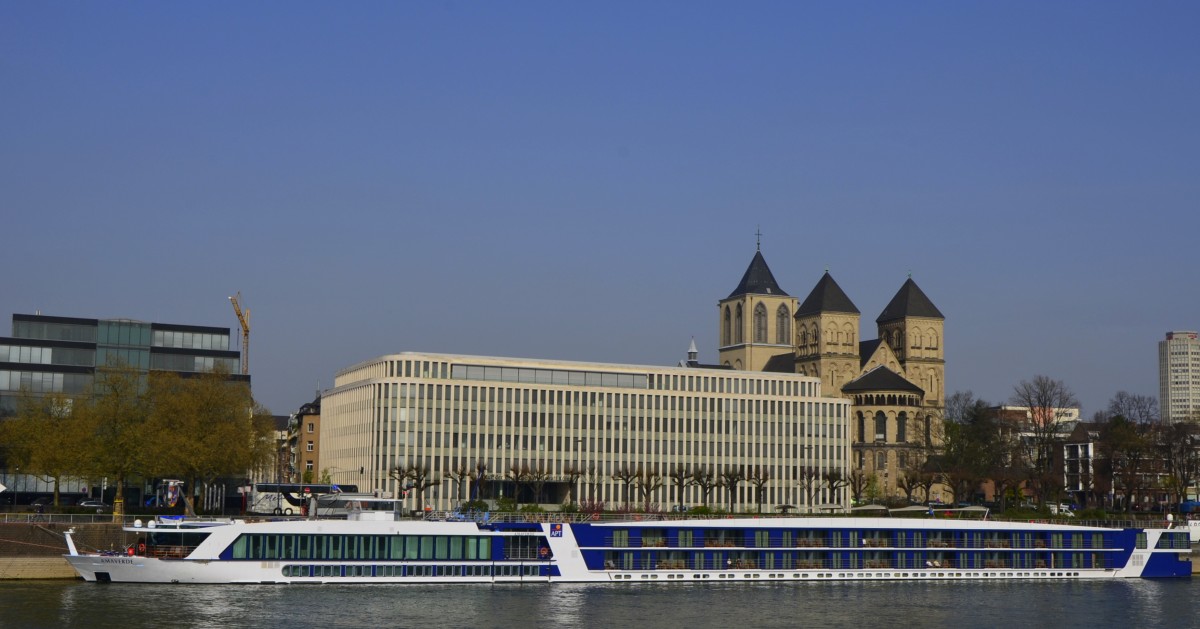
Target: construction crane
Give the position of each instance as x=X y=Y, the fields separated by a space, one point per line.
x=244 y=319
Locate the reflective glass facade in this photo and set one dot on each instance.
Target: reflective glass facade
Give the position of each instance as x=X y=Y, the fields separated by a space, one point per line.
x=60 y=354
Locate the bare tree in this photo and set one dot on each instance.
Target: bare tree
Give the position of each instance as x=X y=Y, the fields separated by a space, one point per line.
x=538 y=474
x=627 y=475
x=706 y=480
x=479 y=477
x=459 y=473
x=731 y=476
x=858 y=484
x=573 y=472
x=1177 y=444
x=759 y=476
x=648 y=481
x=1139 y=409
x=420 y=476
x=835 y=481
x=1046 y=399
x=809 y=479
x=681 y=477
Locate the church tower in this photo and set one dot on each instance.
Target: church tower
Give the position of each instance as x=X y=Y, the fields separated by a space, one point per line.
x=913 y=328
x=826 y=340
x=755 y=322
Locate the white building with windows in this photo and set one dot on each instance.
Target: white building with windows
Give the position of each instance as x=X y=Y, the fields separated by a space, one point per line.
x=1179 y=377
x=448 y=412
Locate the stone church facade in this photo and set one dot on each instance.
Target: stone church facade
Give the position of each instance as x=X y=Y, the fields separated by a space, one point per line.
x=895 y=382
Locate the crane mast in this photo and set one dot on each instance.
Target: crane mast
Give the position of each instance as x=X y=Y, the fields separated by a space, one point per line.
x=244 y=320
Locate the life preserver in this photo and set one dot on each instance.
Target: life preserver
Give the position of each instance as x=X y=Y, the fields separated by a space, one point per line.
x=129 y=551
x=141 y=548
x=544 y=552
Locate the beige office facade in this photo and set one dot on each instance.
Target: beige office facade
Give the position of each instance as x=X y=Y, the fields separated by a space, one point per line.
x=448 y=412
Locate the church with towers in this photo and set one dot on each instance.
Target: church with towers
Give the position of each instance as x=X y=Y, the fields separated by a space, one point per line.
x=895 y=382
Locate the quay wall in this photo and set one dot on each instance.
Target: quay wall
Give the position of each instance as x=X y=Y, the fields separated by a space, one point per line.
x=34 y=550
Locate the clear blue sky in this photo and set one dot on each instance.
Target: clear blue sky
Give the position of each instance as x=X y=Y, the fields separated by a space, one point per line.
x=584 y=182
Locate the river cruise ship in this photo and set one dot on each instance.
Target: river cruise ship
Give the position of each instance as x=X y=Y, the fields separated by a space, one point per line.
x=379 y=547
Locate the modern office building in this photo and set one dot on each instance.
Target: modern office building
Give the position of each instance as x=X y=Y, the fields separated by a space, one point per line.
x=60 y=354
x=447 y=412
x=1179 y=377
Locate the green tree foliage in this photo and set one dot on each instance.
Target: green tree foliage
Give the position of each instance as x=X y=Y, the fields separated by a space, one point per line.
x=205 y=427
x=45 y=438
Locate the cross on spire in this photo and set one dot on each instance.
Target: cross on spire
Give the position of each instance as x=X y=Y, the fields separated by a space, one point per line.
x=758 y=238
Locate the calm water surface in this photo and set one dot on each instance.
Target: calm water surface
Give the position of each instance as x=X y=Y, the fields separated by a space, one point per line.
x=1125 y=603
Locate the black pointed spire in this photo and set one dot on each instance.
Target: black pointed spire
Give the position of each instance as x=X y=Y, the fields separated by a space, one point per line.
x=826 y=296
x=758 y=279
x=909 y=301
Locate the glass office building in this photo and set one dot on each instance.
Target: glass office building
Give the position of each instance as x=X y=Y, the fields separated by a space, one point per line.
x=60 y=354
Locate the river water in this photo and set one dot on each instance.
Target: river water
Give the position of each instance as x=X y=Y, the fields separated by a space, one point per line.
x=1029 y=605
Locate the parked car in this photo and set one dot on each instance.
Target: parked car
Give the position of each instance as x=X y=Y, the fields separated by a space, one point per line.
x=98 y=505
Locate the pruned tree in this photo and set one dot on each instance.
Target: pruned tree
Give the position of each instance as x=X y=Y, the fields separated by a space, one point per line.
x=835 y=480
x=706 y=479
x=808 y=477
x=627 y=475
x=419 y=476
x=573 y=472
x=479 y=477
x=681 y=478
x=648 y=481
x=730 y=478
x=858 y=484
x=519 y=473
x=538 y=474
x=758 y=477
x=459 y=473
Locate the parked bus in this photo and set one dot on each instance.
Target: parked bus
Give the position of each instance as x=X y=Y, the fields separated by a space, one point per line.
x=288 y=498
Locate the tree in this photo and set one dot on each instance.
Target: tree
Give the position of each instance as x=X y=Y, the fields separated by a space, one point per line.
x=573 y=472
x=809 y=479
x=1045 y=399
x=44 y=437
x=706 y=479
x=205 y=427
x=1177 y=444
x=1124 y=450
x=858 y=484
x=420 y=478
x=648 y=481
x=835 y=481
x=459 y=473
x=681 y=477
x=1139 y=409
x=519 y=474
x=758 y=477
x=627 y=476
x=117 y=418
x=731 y=476
x=538 y=474
x=479 y=477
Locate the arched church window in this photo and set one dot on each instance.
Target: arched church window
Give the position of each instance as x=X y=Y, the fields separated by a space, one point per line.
x=880 y=426
x=760 y=324
x=862 y=427
x=902 y=427
x=725 y=335
x=737 y=325
x=881 y=461
x=783 y=325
